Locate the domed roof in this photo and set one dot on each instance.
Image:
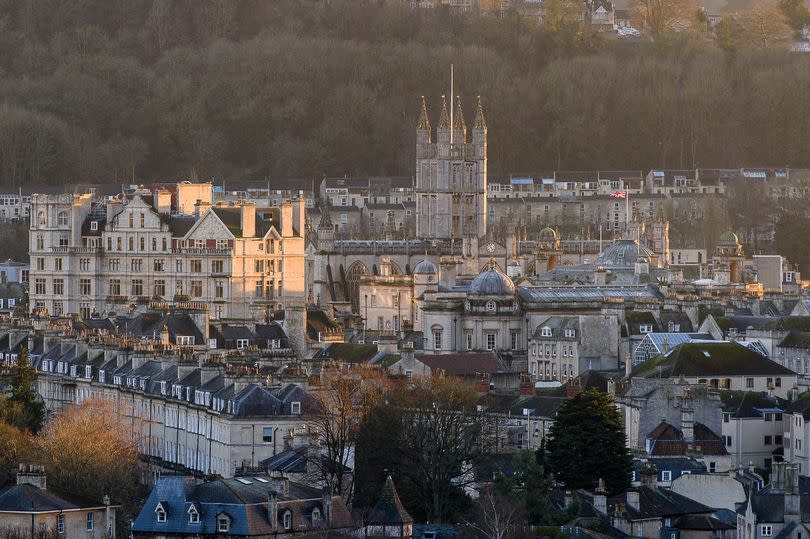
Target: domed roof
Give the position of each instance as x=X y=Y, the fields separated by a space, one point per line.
x=548 y=234
x=425 y=267
x=729 y=238
x=623 y=254
x=492 y=282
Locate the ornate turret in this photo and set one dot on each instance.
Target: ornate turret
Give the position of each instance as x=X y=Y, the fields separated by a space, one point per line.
x=423 y=125
x=443 y=129
x=459 y=125
x=480 y=123
x=326 y=231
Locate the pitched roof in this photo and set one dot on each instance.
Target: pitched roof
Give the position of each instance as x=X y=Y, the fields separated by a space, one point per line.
x=668 y=440
x=710 y=359
x=30 y=498
x=389 y=509
x=655 y=502
x=462 y=363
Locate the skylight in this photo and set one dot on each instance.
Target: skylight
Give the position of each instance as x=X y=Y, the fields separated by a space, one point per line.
x=261 y=480
x=244 y=481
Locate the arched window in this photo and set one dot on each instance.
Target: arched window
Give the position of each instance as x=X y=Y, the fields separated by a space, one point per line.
x=40 y=242
x=61 y=218
x=41 y=218
x=356 y=271
x=287 y=520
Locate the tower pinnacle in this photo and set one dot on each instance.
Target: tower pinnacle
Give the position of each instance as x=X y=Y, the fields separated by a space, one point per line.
x=480 y=122
x=424 y=119
x=444 y=118
x=458 y=119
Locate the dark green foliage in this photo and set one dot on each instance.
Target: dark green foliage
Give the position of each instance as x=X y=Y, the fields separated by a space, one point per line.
x=138 y=90
x=790 y=239
x=23 y=409
x=587 y=442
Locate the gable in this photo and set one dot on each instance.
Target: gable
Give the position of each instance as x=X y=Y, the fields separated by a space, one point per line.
x=209 y=227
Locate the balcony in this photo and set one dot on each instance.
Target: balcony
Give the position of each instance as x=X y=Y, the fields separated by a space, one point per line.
x=202 y=251
x=77 y=250
x=117 y=299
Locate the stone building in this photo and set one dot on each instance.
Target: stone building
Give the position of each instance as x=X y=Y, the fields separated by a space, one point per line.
x=97 y=257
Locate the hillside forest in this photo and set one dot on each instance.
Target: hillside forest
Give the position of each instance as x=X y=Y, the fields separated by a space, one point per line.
x=112 y=91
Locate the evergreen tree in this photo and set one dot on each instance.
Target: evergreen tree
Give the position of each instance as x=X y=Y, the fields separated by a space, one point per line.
x=23 y=409
x=587 y=442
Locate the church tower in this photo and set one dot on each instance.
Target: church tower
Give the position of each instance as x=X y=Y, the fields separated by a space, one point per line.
x=451 y=175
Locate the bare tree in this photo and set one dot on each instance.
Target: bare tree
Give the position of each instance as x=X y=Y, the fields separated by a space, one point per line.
x=765 y=23
x=496 y=516
x=660 y=17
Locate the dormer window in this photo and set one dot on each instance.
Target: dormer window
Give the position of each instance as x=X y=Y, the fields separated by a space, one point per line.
x=570 y=333
x=160 y=512
x=288 y=520
x=545 y=332
x=645 y=328
x=223 y=523
x=241 y=344
x=101 y=376
x=295 y=408
x=93 y=225
x=88 y=371
x=193 y=515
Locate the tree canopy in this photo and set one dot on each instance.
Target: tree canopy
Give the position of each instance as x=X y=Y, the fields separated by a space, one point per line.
x=587 y=443
x=24 y=409
x=116 y=91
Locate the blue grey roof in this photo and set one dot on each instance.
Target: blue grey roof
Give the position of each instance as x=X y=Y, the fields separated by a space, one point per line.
x=563 y=293
x=492 y=282
x=425 y=267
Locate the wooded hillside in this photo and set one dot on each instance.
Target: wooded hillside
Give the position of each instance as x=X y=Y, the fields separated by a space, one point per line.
x=116 y=90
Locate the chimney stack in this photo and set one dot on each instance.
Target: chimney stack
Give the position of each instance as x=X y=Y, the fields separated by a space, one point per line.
x=633 y=499
x=688 y=425
x=248 y=215
x=32 y=474
x=600 y=497
x=162 y=201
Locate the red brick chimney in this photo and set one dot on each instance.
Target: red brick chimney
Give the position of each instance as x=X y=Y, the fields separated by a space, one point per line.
x=526 y=385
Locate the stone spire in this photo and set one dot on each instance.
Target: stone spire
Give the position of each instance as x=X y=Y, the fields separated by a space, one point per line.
x=480 y=122
x=444 y=118
x=424 y=120
x=326 y=218
x=458 y=118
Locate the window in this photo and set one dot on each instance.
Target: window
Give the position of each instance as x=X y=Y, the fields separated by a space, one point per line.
x=223 y=523
x=62 y=220
x=728 y=440
x=712 y=467
x=160 y=288
x=57 y=264
x=193 y=515
x=115 y=287
x=242 y=344
x=41 y=218
x=58 y=287
x=287 y=520
x=295 y=408
x=39 y=286
x=217 y=266
x=196 y=289
x=196 y=266
x=159 y=264
x=161 y=513
x=437 y=339
x=666 y=475
x=749 y=383
x=777 y=439
x=137 y=287
x=726 y=417
x=570 y=333
x=218 y=290
x=490 y=306
x=114 y=264
x=60 y=523
x=184 y=340
x=84 y=264
x=267 y=435
x=84 y=287
x=645 y=328
x=40 y=264
x=766 y=530
x=490 y=341
x=768 y=440
x=136 y=264
x=143 y=220
x=316 y=518
x=40 y=242
x=469 y=339
x=90 y=522
x=259 y=266
x=142 y=244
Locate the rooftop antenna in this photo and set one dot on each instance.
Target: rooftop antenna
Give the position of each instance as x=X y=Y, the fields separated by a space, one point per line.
x=452 y=125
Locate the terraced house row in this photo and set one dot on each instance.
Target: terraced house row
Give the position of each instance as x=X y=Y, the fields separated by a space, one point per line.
x=188 y=408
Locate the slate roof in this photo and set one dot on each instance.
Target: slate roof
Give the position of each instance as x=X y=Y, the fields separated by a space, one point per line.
x=667 y=440
x=796 y=339
x=349 y=352
x=540 y=405
x=710 y=359
x=463 y=363
x=245 y=502
x=563 y=293
x=389 y=509
x=750 y=404
x=701 y=523
x=656 y=502
x=30 y=498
